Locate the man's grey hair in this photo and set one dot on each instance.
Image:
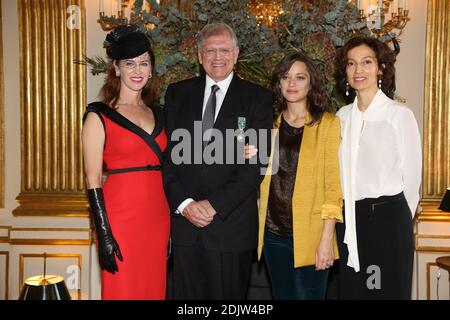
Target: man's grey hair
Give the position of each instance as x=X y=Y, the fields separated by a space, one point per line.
x=215 y=29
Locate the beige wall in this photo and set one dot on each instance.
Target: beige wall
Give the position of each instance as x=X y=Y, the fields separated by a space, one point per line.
x=95 y=38
x=12 y=107
x=411 y=60
x=410 y=78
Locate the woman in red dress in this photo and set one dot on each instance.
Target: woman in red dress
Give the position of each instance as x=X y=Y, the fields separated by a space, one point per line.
x=124 y=134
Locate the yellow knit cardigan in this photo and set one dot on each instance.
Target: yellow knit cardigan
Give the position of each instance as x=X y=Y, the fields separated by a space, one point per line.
x=317 y=191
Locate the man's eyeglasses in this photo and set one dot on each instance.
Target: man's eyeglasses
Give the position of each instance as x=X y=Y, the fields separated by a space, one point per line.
x=221 y=52
x=132 y=65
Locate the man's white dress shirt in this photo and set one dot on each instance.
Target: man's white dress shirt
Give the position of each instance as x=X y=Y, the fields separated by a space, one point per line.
x=220 y=96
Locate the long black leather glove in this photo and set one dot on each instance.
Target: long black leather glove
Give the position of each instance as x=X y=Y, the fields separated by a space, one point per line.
x=107 y=245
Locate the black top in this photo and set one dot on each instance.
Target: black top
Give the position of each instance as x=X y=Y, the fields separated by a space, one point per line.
x=279 y=215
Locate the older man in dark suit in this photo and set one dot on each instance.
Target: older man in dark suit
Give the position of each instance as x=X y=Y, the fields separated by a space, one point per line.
x=214 y=200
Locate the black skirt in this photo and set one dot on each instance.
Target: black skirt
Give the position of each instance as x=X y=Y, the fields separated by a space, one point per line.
x=384 y=230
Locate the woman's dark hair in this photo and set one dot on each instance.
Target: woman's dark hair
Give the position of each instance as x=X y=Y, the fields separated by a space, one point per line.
x=109 y=93
x=317 y=100
x=385 y=59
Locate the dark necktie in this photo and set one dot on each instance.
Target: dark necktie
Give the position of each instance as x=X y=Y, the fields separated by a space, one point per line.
x=208 y=116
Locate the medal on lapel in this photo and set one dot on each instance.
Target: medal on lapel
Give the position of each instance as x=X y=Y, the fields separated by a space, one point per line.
x=241 y=127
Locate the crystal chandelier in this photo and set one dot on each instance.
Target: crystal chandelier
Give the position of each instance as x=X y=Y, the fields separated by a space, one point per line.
x=265 y=11
x=117 y=17
x=120 y=12
x=384 y=16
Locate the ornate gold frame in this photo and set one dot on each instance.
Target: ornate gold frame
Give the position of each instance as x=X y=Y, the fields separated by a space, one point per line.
x=436 y=172
x=6 y=280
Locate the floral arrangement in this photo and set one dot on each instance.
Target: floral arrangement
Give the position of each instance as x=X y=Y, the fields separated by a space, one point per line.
x=316 y=27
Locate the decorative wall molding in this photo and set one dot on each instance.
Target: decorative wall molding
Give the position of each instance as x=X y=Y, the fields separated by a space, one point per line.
x=431 y=212
x=6 y=274
x=53 y=98
x=432 y=243
x=432 y=240
x=4 y=234
x=46 y=236
x=50 y=236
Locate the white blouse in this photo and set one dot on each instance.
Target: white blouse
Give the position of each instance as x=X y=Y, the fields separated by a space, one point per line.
x=380 y=155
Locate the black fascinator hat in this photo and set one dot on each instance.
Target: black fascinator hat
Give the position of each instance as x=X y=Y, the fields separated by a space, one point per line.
x=126 y=42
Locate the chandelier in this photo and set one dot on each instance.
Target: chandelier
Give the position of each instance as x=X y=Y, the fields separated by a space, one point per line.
x=265 y=11
x=384 y=16
x=120 y=13
x=381 y=16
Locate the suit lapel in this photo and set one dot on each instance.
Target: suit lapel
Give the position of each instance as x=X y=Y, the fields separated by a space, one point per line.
x=198 y=96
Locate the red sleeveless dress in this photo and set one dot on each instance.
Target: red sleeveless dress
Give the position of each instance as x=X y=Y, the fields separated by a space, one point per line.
x=137 y=211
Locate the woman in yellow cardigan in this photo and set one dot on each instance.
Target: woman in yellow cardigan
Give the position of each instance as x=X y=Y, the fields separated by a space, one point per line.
x=300 y=196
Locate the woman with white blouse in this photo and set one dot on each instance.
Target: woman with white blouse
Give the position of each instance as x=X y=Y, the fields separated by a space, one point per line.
x=381 y=162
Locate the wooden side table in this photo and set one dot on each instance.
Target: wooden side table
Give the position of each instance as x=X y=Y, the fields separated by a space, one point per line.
x=444 y=263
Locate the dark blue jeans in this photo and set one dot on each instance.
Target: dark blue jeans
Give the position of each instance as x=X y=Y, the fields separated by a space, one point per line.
x=289 y=283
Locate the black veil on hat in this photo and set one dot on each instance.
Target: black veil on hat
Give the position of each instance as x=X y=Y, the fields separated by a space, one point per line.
x=125 y=42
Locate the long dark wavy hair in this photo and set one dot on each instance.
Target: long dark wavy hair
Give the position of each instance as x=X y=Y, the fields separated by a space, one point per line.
x=317 y=100
x=109 y=93
x=386 y=58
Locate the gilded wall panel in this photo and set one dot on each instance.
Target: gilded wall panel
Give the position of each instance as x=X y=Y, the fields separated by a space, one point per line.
x=436 y=173
x=53 y=97
x=2 y=124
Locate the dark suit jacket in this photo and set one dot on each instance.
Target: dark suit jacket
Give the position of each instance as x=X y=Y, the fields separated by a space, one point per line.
x=230 y=188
